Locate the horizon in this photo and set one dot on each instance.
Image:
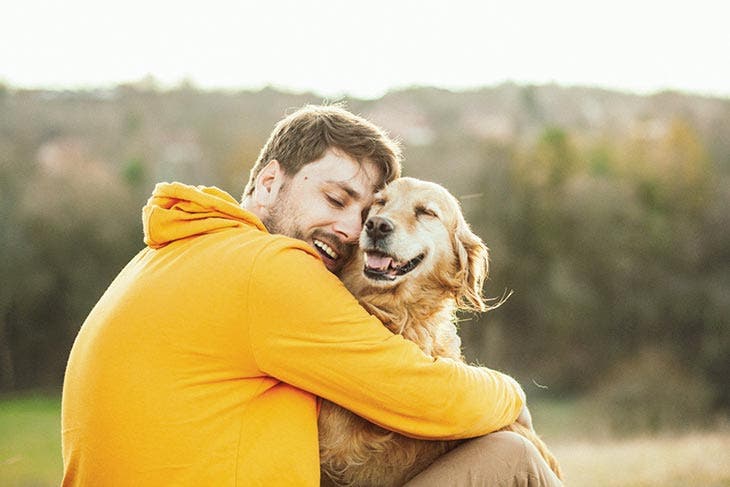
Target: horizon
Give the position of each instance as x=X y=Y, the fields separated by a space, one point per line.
x=150 y=83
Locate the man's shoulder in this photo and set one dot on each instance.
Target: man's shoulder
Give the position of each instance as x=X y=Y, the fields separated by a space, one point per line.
x=271 y=246
x=277 y=243
x=249 y=245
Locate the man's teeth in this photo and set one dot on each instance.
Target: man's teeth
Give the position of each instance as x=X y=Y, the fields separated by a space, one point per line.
x=326 y=249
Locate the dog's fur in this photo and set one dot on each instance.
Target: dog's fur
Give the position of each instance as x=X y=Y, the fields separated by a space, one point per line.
x=419 y=263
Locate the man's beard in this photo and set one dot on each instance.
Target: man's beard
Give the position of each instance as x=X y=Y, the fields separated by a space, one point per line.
x=283 y=217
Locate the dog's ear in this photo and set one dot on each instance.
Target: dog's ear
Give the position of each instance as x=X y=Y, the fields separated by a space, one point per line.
x=473 y=263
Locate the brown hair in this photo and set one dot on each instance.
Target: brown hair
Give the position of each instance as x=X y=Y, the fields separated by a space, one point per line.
x=305 y=136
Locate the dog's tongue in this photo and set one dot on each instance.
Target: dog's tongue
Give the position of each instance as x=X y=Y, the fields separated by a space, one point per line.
x=377 y=261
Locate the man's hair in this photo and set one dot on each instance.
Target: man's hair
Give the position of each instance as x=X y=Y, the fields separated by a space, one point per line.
x=305 y=136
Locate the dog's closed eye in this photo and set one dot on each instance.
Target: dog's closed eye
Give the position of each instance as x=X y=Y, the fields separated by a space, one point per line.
x=425 y=212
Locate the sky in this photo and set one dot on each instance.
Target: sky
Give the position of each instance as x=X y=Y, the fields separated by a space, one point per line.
x=366 y=48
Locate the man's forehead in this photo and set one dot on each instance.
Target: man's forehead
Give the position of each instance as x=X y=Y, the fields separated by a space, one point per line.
x=374 y=175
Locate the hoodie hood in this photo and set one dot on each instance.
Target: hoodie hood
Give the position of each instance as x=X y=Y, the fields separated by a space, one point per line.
x=176 y=211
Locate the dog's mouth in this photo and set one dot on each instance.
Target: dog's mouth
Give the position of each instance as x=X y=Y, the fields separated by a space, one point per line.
x=381 y=266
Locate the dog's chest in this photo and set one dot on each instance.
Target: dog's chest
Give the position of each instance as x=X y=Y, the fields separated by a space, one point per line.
x=435 y=339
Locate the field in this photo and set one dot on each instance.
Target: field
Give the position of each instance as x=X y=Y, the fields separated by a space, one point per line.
x=30 y=440
x=30 y=452
x=695 y=459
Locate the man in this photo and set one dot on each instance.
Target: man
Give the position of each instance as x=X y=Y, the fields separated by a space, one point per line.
x=202 y=362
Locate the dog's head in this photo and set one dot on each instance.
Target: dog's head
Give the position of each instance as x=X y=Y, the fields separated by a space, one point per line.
x=415 y=236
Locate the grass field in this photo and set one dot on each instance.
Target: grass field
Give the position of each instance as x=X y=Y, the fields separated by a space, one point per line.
x=694 y=459
x=30 y=451
x=30 y=440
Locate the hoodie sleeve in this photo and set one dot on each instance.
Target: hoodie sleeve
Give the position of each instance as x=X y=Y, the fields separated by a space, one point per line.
x=307 y=330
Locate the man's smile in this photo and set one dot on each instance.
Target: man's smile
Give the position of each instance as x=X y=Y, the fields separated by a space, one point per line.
x=329 y=251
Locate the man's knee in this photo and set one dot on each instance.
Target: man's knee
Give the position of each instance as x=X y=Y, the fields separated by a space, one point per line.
x=502 y=458
x=507 y=443
x=518 y=456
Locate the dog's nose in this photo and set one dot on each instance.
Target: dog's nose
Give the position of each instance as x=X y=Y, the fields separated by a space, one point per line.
x=378 y=227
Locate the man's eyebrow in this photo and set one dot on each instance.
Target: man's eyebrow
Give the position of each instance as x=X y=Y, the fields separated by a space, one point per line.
x=352 y=192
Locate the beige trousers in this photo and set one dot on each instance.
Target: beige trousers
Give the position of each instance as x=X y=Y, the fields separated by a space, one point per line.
x=501 y=459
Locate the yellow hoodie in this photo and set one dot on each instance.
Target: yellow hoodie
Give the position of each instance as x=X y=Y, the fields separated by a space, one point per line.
x=202 y=362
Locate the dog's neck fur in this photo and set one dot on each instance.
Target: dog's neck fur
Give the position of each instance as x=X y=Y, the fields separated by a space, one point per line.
x=406 y=311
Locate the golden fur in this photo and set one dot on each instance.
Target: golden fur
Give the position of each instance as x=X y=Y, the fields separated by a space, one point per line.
x=419 y=263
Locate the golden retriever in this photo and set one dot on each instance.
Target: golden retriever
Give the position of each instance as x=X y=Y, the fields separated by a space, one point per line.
x=419 y=263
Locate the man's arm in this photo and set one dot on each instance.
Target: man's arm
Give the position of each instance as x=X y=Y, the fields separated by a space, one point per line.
x=307 y=330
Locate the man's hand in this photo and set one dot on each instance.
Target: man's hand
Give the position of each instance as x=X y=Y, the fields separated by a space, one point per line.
x=525 y=418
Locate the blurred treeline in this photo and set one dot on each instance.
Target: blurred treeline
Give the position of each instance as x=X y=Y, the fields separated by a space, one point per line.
x=607 y=214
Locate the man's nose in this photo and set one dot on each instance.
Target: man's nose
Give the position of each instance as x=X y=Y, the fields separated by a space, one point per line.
x=349 y=228
x=378 y=227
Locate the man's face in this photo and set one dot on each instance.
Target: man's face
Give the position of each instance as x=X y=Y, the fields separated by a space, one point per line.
x=324 y=204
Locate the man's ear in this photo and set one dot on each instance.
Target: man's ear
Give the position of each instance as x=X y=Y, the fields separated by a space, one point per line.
x=268 y=183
